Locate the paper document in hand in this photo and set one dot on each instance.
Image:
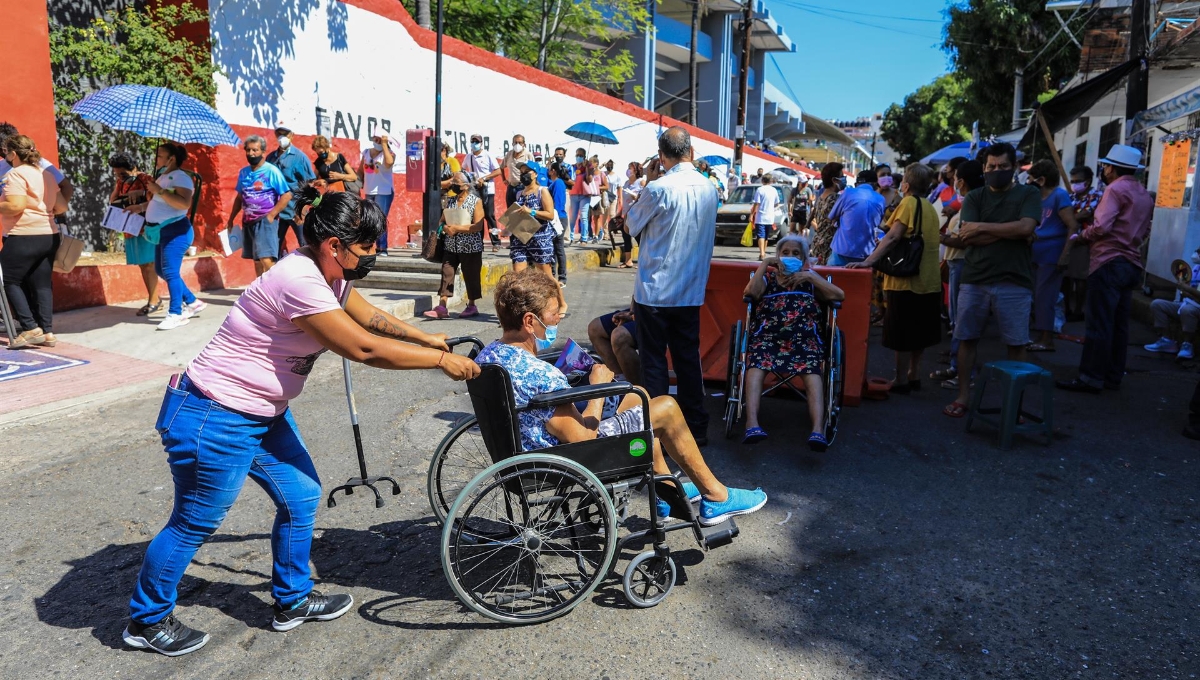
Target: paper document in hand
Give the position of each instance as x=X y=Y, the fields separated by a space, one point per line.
x=457 y=217
x=231 y=240
x=519 y=223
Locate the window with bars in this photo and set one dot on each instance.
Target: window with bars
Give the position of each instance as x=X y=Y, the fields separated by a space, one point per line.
x=1110 y=133
x=1080 y=153
x=1084 y=124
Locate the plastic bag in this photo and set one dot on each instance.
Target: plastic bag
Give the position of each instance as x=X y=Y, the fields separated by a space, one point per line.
x=748 y=236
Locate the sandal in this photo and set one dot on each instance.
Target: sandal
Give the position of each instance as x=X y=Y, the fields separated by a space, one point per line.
x=956 y=409
x=147 y=310
x=1038 y=347
x=817 y=442
x=944 y=374
x=754 y=435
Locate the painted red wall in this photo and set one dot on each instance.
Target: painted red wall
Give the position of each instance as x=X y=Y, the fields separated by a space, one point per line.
x=25 y=80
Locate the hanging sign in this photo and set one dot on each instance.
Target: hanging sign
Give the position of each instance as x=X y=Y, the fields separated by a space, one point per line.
x=1172 y=176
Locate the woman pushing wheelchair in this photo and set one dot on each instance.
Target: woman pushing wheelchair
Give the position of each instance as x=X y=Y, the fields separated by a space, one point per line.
x=785 y=332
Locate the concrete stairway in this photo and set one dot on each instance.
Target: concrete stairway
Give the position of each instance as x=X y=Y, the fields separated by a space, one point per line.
x=403 y=284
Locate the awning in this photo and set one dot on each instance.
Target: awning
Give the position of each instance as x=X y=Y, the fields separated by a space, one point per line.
x=1172 y=109
x=1068 y=105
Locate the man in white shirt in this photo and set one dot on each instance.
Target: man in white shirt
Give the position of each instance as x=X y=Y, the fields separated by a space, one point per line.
x=64 y=185
x=675 y=217
x=481 y=169
x=516 y=155
x=766 y=202
x=375 y=169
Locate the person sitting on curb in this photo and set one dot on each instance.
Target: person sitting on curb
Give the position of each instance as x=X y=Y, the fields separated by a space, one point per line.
x=1184 y=308
x=614 y=337
x=527 y=306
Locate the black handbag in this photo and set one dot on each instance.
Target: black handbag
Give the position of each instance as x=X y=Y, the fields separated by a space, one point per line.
x=434 y=248
x=904 y=259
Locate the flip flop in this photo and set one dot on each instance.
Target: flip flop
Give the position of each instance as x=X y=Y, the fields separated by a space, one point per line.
x=1038 y=347
x=754 y=435
x=817 y=442
x=147 y=310
x=956 y=409
x=943 y=374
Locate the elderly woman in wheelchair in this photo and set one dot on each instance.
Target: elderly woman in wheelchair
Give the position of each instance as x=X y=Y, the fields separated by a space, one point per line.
x=527 y=306
x=786 y=333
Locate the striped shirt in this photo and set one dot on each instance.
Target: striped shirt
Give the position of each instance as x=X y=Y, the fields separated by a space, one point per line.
x=675 y=218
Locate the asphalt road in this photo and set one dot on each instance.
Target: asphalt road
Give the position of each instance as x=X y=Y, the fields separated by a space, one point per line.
x=909 y=550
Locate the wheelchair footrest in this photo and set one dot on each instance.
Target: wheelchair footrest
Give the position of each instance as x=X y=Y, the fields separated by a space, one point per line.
x=719 y=534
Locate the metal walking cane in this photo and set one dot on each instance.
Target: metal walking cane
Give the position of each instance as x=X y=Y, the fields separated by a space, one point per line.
x=9 y=328
x=362 y=479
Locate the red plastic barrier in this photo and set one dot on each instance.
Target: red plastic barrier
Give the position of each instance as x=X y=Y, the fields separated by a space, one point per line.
x=723 y=307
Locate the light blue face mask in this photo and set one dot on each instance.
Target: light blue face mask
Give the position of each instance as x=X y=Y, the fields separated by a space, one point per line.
x=476 y=146
x=790 y=265
x=551 y=336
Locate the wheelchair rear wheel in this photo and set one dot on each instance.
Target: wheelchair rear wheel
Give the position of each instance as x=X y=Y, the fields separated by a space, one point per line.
x=835 y=381
x=648 y=579
x=549 y=536
x=733 y=380
x=459 y=457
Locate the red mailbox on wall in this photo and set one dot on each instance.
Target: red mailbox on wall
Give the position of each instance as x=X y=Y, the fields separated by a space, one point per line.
x=414 y=158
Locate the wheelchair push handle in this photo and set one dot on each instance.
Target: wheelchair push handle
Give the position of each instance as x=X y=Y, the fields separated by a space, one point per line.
x=477 y=344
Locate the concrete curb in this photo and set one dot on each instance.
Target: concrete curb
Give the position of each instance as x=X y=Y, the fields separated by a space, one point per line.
x=577 y=258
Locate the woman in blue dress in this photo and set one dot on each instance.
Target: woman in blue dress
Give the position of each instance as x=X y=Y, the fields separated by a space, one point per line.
x=785 y=333
x=540 y=248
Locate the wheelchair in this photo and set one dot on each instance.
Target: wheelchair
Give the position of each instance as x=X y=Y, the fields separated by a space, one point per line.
x=833 y=375
x=535 y=533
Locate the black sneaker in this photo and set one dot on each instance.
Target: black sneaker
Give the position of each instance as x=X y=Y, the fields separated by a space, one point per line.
x=168 y=636
x=317 y=607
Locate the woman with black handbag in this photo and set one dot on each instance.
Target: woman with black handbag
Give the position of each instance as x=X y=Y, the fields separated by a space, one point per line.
x=912 y=284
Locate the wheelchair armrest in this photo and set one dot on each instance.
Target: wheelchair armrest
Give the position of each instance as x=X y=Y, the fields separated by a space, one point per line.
x=466 y=339
x=589 y=392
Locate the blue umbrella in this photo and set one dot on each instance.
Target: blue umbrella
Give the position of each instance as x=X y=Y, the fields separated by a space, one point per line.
x=157 y=112
x=592 y=132
x=948 y=153
x=715 y=161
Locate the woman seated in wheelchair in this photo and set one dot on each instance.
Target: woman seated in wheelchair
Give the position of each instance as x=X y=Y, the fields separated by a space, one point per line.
x=785 y=332
x=527 y=305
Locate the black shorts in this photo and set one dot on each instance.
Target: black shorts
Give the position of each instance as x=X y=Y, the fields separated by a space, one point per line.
x=609 y=326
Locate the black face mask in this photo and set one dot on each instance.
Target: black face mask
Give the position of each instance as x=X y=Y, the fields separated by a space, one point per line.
x=253 y=160
x=323 y=155
x=998 y=179
x=365 y=264
x=526 y=180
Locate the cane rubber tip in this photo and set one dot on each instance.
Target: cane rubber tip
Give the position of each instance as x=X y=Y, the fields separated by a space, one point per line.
x=379 y=502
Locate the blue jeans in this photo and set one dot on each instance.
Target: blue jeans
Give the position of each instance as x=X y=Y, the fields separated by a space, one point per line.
x=1106 y=336
x=384 y=201
x=838 y=260
x=579 y=209
x=211 y=451
x=173 y=242
x=955 y=267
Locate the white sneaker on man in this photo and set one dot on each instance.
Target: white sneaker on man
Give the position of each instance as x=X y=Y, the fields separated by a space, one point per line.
x=1165 y=345
x=196 y=307
x=174 y=321
x=1185 y=351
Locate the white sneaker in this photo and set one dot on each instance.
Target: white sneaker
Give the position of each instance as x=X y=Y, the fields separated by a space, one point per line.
x=1185 y=351
x=174 y=321
x=196 y=307
x=1166 y=345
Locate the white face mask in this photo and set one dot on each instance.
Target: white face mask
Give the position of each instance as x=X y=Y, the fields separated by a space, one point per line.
x=377 y=146
x=284 y=142
x=518 y=148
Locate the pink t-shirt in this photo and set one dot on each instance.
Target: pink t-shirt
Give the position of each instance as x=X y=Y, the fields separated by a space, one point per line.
x=259 y=359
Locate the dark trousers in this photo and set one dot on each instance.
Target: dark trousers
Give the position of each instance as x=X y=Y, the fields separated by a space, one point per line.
x=489 y=215
x=560 y=258
x=472 y=265
x=28 y=262
x=286 y=223
x=677 y=329
x=510 y=196
x=1106 y=339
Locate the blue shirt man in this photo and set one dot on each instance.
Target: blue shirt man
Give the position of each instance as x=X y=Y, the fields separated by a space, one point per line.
x=297 y=172
x=858 y=213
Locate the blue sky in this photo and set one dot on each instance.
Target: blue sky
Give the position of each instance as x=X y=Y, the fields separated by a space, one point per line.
x=853 y=60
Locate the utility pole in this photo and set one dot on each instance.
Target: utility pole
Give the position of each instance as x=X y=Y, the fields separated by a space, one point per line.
x=739 y=133
x=874 y=136
x=432 y=209
x=1018 y=97
x=692 y=66
x=1136 y=92
x=423 y=13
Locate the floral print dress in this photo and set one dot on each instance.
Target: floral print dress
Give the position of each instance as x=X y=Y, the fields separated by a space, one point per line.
x=822 y=238
x=786 y=330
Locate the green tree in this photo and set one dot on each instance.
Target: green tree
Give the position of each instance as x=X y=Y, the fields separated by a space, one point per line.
x=930 y=118
x=989 y=40
x=557 y=36
x=140 y=44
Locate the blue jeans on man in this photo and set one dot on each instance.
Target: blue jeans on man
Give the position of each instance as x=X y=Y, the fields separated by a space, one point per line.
x=955 y=268
x=212 y=450
x=384 y=201
x=839 y=260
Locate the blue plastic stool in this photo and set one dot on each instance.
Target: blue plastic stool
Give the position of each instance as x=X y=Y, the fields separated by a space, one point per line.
x=1014 y=377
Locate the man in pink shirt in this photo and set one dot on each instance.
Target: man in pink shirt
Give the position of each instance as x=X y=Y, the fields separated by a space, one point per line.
x=1120 y=226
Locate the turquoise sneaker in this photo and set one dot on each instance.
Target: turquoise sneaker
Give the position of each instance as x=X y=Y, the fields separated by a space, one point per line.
x=664 y=509
x=691 y=491
x=740 y=502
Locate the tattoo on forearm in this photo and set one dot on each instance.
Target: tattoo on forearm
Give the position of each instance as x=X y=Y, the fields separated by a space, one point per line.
x=381 y=325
